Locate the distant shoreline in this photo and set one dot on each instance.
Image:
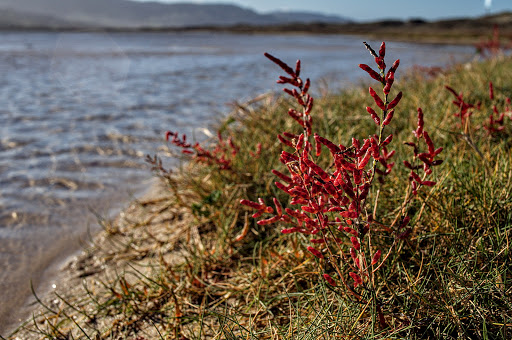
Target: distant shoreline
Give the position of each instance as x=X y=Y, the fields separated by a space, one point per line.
x=456 y=31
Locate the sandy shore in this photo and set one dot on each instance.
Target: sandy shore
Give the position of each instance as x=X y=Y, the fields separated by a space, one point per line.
x=148 y=232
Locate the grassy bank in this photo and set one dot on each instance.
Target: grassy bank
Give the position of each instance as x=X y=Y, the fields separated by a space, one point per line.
x=460 y=31
x=191 y=263
x=463 y=31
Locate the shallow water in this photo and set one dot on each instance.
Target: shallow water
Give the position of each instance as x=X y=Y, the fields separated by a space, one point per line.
x=79 y=112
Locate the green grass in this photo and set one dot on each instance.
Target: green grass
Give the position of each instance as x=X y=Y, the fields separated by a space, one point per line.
x=451 y=280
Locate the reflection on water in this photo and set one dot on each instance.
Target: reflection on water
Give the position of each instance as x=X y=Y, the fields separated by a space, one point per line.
x=80 y=110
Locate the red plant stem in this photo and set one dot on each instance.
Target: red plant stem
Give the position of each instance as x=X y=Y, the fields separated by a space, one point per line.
x=385 y=257
x=321 y=217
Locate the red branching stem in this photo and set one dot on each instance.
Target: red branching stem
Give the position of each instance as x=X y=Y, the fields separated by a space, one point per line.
x=329 y=204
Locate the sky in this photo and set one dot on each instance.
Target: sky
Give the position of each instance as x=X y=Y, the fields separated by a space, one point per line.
x=374 y=9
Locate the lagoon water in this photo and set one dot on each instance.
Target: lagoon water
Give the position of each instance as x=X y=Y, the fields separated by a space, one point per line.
x=79 y=111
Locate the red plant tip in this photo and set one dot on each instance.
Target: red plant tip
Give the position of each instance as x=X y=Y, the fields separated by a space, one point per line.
x=404 y=223
x=387 y=88
x=297 y=68
x=318 y=146
x=357 y=279
x=282 y=176
x=365 y=159
x=414 y=176
x=414 y=188
x=329 y=279
x=370 y=49
x=298 y=97
x=315 y=252
x=394 y=67
x=288 y=158
x=430 y=144
x=168 y=134
x=387 y=140
x=353 y=254
x=279 y=208
x=405 y=234
x=395 y=101
x=356 y=143
x=357 y=263
x=452 y=91
x=318 y=170
x=350 y=231
x=390 y=78
x=284 y=80
x=374 y=115
x=491 y=90
x=306 y=86
x=355 y=242
x=419 y=130
x=300 y=142
x=269 y=220
x=382 y=50
x=288 y=91
x=309 y=105
x=388 y=118
x=408 y=165
x=376 y=257
x=310 y=210
x=330 y=145
x=281 y=64
x=252 y=204
x=371 y=72
x=377 y=99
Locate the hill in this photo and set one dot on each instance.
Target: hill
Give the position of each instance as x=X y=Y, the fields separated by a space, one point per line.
x=132 y=14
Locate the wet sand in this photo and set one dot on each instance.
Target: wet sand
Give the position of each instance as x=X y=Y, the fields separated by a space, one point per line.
x=150 y=229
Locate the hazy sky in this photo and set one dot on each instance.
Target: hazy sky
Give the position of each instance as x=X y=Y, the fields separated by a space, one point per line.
x=374 y=9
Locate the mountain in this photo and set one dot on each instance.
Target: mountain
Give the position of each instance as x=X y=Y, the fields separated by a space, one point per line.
x=12 y=19
x=132 y=14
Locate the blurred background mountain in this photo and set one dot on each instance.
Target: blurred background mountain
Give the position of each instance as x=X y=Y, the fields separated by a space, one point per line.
x=131 y=14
